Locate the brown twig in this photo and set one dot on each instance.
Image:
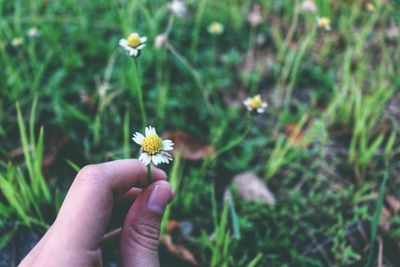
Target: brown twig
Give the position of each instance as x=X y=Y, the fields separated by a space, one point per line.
x=380 y=253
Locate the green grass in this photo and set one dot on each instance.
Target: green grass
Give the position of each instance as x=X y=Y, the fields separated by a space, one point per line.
x=340 y=89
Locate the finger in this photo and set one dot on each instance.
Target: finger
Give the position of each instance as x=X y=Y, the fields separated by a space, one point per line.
x=141 y=228
x=127 y=198
x=121 y=206
x=87 y=208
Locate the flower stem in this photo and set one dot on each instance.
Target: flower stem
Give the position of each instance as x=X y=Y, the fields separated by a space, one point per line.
x=149 y=174
x=139 y=93
x=196 y=76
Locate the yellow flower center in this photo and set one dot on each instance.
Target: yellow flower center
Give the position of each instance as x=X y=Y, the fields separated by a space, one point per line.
x=255 y=102
x=134 y=40
x=17 y=41
x=216 y=28
x=152 y=144
x=324 y=22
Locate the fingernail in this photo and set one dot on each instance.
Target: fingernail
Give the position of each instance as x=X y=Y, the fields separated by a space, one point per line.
x=159 y=197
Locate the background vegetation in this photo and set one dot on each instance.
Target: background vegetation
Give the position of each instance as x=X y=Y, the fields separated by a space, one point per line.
x=327 y=146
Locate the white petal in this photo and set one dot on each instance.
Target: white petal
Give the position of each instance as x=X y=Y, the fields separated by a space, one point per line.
x=260 y=110
x=160 y=158
x=132 y=51
x=123 y=42
x=143 y=39
x=156 y=159
x=167 y=145
x=147 y=130
x=138 y=138
x=125 y=47
x=145 y=158
x=166 y=157
x=140 y=46
x=264 y=105
x=150 y=130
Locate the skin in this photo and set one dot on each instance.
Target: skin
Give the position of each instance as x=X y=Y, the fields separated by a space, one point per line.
x=75 y=237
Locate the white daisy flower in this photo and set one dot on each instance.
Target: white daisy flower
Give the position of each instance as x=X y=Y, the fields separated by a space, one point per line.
x=161 y=39
x=255 y=17
x=133 y=44
x=308 y=6
x=255 y=103
x=177 y=8
x=17 y=41
x=324 y=23
x=216 y=28
x=154 y=148
x=33 y=32
x=393 y=31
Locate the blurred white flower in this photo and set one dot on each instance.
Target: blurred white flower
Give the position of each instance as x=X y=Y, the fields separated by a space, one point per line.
x=177 y=8
x=33 y=32
x=393 y=31
x=324 y=23
x=85 y=97
x=255 y=17
x=153 y=148
x=17 y=41
x=308 y=6
x=160 y=40
x=103 y=89
x=133 y=44
x=216 y=28
x=255 y=103
x=260 y=40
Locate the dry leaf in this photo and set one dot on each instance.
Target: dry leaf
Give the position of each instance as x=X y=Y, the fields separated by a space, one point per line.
x=391 y=208
x=179 y=251
x=294 y=134
x=393 y=203
x=189 y=146
x=385 y=219
x=52 y=150
x=173 y=226
x=251 y=188
x=182 y=229
x=55 y=146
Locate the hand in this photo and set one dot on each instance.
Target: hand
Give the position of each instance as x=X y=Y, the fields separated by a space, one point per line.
x=75 y=236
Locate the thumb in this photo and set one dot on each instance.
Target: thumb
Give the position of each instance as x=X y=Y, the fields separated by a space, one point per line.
x=141 y=228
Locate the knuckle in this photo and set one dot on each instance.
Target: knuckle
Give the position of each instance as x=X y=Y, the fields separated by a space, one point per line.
x=148 y=230
x=145 y=235
x=89 y=173
x=138 y=165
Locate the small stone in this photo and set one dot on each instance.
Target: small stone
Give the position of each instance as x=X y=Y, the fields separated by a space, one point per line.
x=251 y=188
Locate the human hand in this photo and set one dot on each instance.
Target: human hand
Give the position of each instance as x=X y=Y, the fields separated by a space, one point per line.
x=75 y=236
